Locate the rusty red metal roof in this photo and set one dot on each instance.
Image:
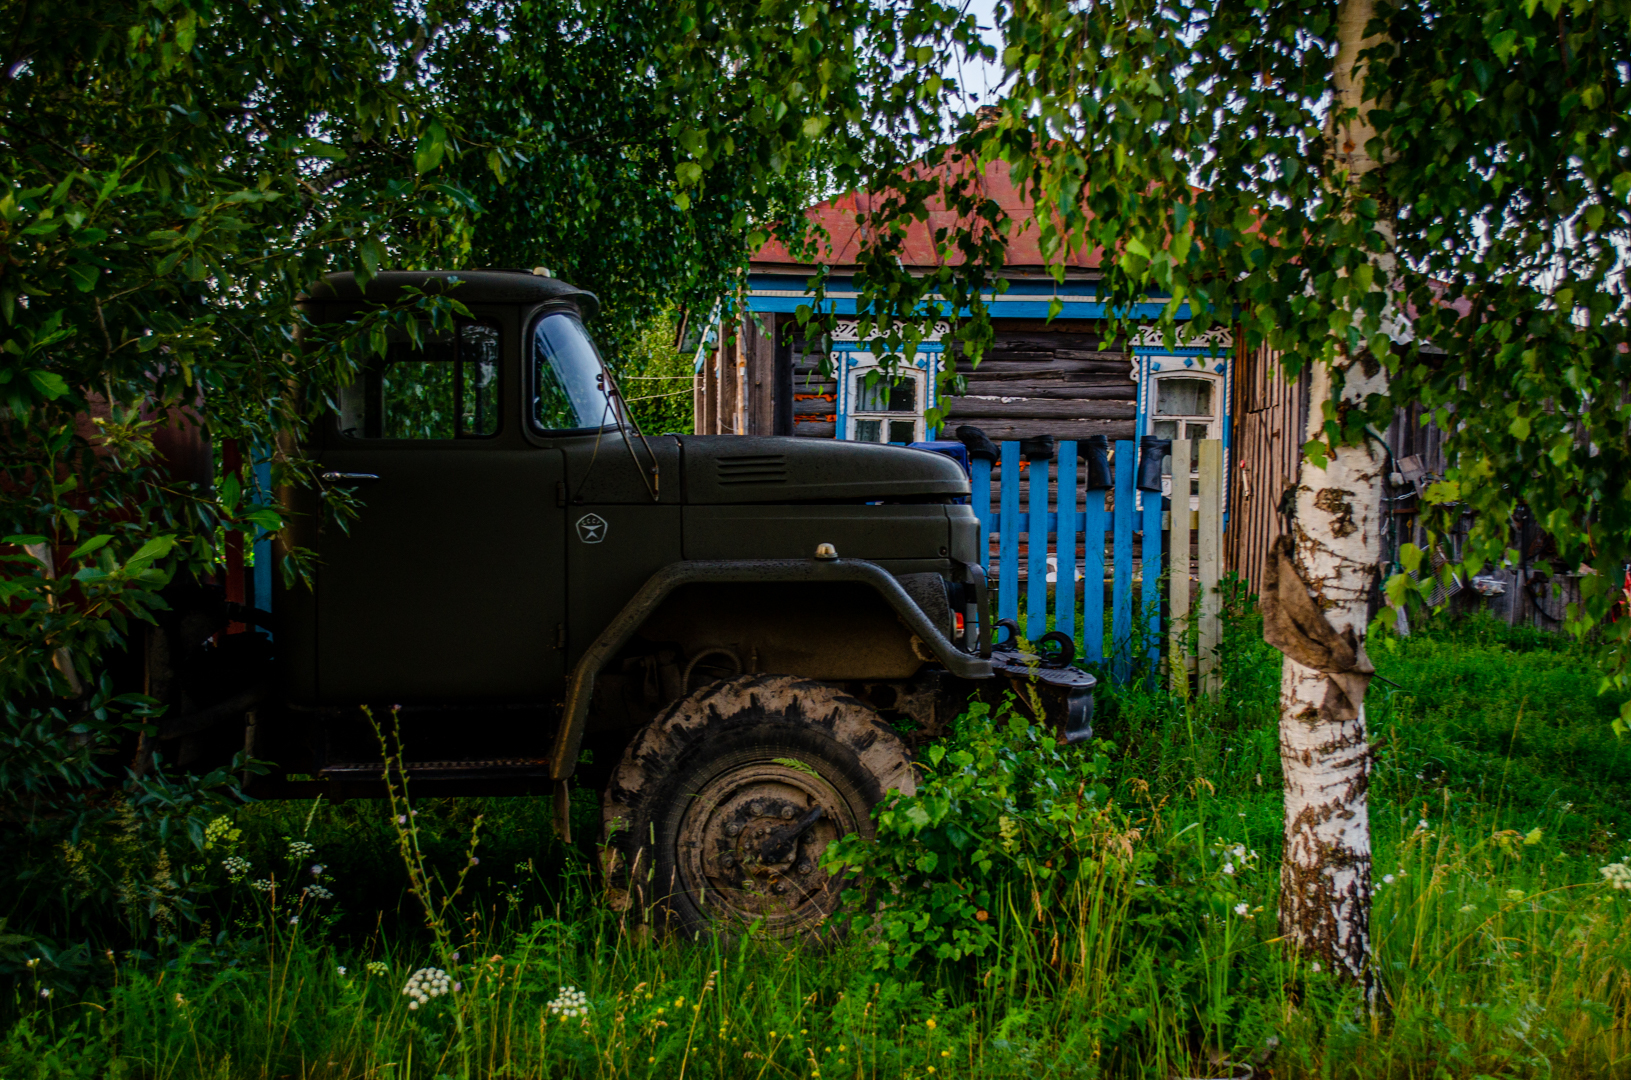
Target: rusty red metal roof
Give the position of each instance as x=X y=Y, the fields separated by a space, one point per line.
x=838 y=217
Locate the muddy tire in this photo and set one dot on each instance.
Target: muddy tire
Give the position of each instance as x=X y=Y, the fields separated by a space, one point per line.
x=718 y=813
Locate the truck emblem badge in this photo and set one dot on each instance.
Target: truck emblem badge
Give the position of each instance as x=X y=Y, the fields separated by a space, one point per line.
x=591 y=528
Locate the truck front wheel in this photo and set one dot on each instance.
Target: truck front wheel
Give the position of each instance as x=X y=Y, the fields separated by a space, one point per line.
x=718 y=813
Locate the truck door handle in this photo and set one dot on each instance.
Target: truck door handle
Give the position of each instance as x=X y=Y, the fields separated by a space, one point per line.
x=332 y=477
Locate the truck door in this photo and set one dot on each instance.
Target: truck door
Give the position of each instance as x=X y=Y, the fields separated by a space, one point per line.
x=449 y=585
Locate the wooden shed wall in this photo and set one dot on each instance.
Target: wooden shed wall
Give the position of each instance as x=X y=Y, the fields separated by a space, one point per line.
x=1270 y=413
x=1041 y=378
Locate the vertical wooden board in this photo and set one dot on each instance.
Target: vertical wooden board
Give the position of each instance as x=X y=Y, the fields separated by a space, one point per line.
x=1064 y=584
x=1094 y=525
x=1036 y=570
x=1121 y=593
x=980 y=495
x=1150 y=596
x=1178 y=572
x=1008 y=535
x=1211 y=562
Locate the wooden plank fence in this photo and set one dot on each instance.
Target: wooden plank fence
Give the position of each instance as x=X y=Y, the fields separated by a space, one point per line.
x=1074 y=531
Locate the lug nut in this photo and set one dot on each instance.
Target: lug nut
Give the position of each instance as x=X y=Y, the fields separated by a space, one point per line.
x=781 y=889
x=803 y=866
x=727 y=859
x=787 y=812
x=734 y=829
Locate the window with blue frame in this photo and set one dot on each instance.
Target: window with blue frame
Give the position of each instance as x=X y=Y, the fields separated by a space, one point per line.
x=884 y=408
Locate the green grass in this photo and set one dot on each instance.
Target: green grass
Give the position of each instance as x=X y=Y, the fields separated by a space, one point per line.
x=1501 y=949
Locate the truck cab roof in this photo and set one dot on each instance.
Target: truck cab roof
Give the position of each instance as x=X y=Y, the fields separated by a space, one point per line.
x=469 y=286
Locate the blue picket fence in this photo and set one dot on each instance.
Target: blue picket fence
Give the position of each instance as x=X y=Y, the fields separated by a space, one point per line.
x=1135 y=622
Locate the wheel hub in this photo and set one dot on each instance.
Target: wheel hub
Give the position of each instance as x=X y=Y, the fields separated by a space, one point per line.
x=751 y=842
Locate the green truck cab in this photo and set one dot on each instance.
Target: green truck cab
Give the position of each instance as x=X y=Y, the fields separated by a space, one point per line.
x=739 y=640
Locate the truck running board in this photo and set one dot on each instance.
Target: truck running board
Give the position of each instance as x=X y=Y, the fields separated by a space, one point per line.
x=506 y=768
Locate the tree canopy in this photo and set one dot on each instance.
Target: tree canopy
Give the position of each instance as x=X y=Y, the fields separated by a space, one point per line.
x=178 y=172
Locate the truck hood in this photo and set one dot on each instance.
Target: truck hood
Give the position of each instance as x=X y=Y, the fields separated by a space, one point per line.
x=746 y=469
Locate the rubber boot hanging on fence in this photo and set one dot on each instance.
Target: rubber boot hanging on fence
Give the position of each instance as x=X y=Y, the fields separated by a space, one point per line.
x=980 y=448
x=1037 y=448
x=1095 y=450
x=1151 y=454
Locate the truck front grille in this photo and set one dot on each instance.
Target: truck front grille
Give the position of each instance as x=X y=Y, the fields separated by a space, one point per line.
x=752 y=469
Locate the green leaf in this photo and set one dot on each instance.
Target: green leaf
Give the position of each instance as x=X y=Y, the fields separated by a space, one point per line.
x=156 y=548
x=84 y=276
x=1519 y=427
x=90 y=545
x=187 y=31
x=432 y=145
x=48 y=384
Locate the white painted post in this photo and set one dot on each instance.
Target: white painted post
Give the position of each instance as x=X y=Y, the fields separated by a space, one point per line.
x=1211 y=563
x=1178 y=568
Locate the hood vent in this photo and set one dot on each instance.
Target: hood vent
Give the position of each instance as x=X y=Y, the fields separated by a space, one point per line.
x=752 y=469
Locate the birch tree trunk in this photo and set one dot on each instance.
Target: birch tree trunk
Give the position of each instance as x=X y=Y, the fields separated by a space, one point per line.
x=1325 y=569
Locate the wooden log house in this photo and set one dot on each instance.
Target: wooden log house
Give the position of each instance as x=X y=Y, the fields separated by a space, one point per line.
x=1056 y=377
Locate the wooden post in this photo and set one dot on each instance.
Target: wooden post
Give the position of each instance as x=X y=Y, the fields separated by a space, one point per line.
x=1093 y=530
x=1121 y=612
x=980 y=494
x=1178 y=568
x=1036 y=569
x=1211 y=561
x=1064 y=577
x=1149 y=554
x=1008 y=535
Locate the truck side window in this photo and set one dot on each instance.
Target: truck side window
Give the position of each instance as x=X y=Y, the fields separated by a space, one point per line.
x=567 y=392
x=444 y=388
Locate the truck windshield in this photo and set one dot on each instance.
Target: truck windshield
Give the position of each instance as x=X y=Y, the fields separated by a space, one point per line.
x=566 y=390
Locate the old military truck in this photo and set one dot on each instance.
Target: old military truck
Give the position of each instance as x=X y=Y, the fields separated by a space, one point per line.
x=740 y=640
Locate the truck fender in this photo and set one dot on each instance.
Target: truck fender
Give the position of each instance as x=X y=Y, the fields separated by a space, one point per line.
x=580 y=689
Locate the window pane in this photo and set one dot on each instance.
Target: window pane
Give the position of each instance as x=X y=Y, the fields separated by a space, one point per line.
x=478 y=379
x=1183 y=397
x=416 y=392
x=566 y=369
x=871 y=394
x=869 y=431
x=902 y=431
x=440 y=389
x=878 y=394
x=903 y=396
x=1165 y=429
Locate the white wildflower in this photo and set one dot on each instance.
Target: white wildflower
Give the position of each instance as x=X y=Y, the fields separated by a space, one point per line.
x=1229 y=868
x=237 y=868
x=340 y=968
x=1240 y=908
x=299 y=850
x=46 y=992
x=377 y=967
x=263 y=885
x=570 y=1002
x=317 y=892
x=424 y=984
x=1315 y=966
x=317 y=869
x=1618 y=875
x=1387 y=879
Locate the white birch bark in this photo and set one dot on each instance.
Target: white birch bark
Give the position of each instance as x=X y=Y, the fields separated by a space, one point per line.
x=1325 y=884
